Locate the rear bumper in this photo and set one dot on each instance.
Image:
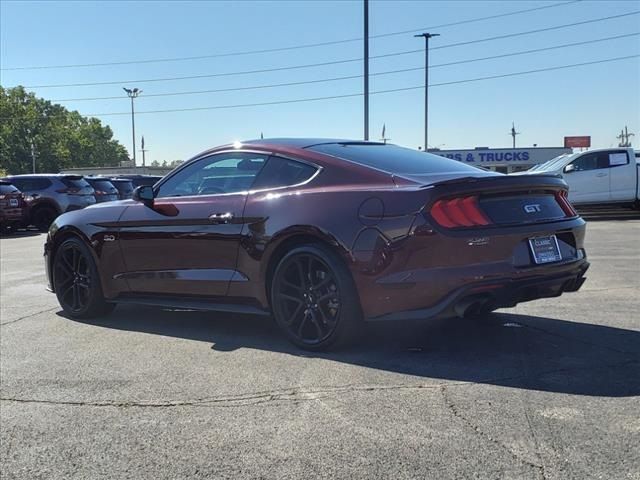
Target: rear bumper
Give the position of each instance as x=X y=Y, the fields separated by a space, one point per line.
x=500 y=293
x=13 y=215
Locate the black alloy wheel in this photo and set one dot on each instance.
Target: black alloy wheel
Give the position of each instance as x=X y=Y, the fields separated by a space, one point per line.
x=76 y=281
x=313 y=298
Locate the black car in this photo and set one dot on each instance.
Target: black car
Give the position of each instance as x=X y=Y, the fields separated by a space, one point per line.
x=124 y=186
x=139 y=180
x=104 y=189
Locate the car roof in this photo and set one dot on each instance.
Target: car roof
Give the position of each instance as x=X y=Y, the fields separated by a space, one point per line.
x=46 y=175
x=305 y=142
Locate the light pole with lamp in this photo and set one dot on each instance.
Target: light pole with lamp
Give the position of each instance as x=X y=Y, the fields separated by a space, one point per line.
x=133 y=93
x=426 y=37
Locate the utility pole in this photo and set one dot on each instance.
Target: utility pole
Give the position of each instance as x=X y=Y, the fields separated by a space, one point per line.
x=33 y=156
x=133 y=93
x=366 y=70
x=514 y=133
x=143 y=150
x=625 y=137
x=426 y=37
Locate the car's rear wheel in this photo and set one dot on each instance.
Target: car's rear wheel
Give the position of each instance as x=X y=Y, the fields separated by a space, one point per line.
x=313 y=298
x=43 y=217
x=76 y=281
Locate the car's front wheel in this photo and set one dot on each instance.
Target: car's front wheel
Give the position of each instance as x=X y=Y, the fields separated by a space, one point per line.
x=313 y=298
x=76 y=281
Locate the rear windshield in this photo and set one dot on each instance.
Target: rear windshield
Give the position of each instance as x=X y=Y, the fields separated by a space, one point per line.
x=7 y=188
x=393 y=159
x=75 y=182
x=123 y=185
x=104 y=185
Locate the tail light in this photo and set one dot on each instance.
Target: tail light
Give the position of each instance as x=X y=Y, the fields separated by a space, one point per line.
x=68 y=190
x=459 y=212
x=563 y=201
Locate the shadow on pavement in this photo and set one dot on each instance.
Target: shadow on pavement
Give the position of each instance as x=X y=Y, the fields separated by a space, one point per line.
x=609 y=214
x=510 y=350
x=20 y=234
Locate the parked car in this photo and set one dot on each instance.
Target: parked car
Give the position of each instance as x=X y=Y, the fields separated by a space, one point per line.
x=322 y=234
x=138 y=180
x=124 y=186
x=597 y=177
x=49 y=195
x=104 y=190
x=13 y=208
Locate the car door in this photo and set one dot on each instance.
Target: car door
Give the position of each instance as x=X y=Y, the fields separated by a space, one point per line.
x=589 y=179
x=187 y=242
x=622 y=176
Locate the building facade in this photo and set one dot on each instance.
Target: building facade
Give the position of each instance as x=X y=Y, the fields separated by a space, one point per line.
x=503 y=160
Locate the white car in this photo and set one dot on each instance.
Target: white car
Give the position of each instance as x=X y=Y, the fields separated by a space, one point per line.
x=597 y=177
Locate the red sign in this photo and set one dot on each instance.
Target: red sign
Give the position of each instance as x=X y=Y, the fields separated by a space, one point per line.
x=577 y=142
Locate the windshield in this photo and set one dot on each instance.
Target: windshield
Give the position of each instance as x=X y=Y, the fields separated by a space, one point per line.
x=393 y=159
x=104 y=186
x=75 y=182
x=7 y=188
x=550 y=164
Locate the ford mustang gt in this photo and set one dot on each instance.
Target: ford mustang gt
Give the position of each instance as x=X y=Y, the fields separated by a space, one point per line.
x=321 y=235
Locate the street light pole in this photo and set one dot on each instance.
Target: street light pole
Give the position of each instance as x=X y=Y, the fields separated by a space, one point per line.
x=426 y=37
x=366 y=70
x=133 y=93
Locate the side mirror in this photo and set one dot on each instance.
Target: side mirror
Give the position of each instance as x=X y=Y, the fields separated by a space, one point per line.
x=144 y=194
x=569 y=168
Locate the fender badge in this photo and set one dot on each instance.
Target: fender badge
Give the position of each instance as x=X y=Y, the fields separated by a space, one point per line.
x=109 y=238
x=474 y=242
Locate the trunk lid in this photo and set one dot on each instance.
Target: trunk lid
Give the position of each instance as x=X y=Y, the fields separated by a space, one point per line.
x=499 y=200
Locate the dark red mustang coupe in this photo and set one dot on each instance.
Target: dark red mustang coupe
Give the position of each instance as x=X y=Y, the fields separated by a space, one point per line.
x=322 y=234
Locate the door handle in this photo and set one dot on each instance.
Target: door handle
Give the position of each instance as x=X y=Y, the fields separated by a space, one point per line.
x=221 y=217
x=601 y=175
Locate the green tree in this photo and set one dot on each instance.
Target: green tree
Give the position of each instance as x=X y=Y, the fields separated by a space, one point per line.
x=59 y=138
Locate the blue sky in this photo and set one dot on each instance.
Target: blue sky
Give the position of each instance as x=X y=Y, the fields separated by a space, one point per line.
x=596 y=100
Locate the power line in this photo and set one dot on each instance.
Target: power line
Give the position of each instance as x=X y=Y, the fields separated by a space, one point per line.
x=293 y=47
x=351 y=77
x=539 y=30
x=334 y=62
x=332 y=97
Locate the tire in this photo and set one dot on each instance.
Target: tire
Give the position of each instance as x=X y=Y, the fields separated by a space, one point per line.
x=314 y=300
x=77 y=283
x=43 y=217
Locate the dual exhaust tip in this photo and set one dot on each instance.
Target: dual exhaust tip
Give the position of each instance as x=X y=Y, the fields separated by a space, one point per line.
x=472 y=306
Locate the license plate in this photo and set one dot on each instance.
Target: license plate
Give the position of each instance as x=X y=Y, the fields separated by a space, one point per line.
x=545 y=249
x=13 y=202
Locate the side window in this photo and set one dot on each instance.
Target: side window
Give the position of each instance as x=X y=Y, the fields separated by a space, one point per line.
x=223 y=173
x=592 y=161
x=41 y=183
x=618 y=158
x=282 y=172
x=31 y=183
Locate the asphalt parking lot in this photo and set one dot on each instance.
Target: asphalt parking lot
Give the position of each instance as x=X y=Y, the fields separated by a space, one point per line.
x=549 y=389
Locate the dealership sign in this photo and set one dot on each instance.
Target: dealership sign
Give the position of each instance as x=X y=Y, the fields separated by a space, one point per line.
x=577 y=142
x=503 y=156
